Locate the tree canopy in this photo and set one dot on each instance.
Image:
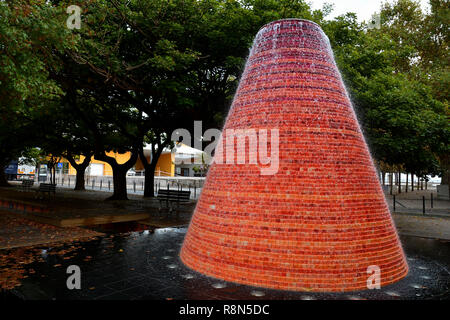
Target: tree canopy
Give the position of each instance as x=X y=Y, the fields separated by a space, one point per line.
x=136 y=70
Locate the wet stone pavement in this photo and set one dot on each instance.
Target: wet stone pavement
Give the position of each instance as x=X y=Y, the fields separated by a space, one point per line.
x=145 y=265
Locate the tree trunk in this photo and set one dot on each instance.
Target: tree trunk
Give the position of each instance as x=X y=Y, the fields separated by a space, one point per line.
x=119 y=174
x=391 y=182
x=406 y=189
x=81 y=169
x=445 y=177
x=383 y=175
x=149 y=184
x=444 y=161
x=80 y=183
x=49 y=174
x=119 y=182
x=412 y=181
x=399 y=182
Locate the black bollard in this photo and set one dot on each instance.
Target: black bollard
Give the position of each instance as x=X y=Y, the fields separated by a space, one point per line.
x=394 y=202
x=167 y=200
x=101 y=184
x=109 y=185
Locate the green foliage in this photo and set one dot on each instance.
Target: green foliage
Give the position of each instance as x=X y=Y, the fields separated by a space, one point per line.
x=137 y=69
x=33 y=157
x=400 y=100
x=29 y=36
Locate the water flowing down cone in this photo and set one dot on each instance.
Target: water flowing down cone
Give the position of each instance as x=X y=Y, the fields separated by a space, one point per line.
x=315 y=221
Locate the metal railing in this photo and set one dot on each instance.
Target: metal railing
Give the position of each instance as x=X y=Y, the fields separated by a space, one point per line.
x=135 y=185
x=426 y=204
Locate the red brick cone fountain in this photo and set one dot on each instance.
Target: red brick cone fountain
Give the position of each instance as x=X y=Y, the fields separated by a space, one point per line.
x=321 y=220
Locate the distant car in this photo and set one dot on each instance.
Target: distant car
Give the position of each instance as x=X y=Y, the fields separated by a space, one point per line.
x=131 y=173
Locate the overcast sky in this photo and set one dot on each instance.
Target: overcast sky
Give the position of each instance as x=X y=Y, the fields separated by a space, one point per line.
x=363 y=8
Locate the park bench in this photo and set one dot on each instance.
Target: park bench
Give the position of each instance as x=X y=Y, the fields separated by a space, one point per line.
x=46 y=188
x=168 y=197
x=27 y=184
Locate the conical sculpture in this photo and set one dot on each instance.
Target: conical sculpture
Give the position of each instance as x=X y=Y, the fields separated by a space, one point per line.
x=313 y=218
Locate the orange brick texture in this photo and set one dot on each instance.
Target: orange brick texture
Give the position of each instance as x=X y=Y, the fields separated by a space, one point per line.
x=321 y=220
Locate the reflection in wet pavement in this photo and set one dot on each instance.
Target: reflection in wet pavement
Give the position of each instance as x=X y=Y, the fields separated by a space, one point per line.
x=145 y=265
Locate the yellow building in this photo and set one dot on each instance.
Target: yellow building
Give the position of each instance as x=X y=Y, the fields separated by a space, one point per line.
x=164 y=167
x=179 y=161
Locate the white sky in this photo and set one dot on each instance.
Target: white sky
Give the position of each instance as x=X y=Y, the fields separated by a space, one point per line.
x=363 y=8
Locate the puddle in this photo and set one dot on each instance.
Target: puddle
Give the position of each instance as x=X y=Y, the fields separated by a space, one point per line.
x=120 y=227
x=136 y=262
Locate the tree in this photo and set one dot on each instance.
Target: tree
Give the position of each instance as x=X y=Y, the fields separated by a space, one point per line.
x=137 y=70
x=405 y=124
x=165 y=63
x=427 y=37
x=63 y=135
x=29 y=33
x=158 y=141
